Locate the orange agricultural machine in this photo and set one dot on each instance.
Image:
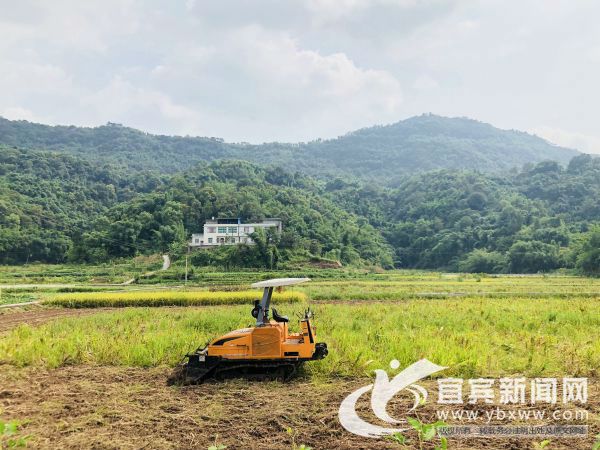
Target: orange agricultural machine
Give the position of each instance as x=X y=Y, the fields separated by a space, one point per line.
x=264 y=351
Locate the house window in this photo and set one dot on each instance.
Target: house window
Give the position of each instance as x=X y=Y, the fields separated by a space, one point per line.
x=210 y=229
x=197 y=240
x=222 y=230
x=232 y=230
x=210 y=240
x=246 y=229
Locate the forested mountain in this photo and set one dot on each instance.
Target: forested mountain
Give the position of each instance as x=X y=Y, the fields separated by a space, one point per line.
x=89 y=200
x=47 y=198
x=464 y=220
x=431 y=142
x=57 y=207
x=379 y=154
x=163 y=219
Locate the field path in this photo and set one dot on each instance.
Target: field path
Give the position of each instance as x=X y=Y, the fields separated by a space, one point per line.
x=165 y=266
x=39 y=316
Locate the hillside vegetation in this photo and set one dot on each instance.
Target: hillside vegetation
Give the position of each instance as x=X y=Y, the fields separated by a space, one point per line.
x=63 y=204
x=46 y=199
x=379 y=154
x=539 y=219
x=58 y=207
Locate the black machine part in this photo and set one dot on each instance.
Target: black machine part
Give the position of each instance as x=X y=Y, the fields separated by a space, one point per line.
x=279 y=318
x=201 y=367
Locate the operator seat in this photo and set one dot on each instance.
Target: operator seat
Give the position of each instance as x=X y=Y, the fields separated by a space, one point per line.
x=279 y=318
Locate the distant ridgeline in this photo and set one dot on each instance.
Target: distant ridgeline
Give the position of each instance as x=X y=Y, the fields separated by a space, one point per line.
x=428 y=192
x=377 y=154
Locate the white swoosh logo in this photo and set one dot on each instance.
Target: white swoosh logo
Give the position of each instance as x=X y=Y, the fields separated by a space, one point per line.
x=382 y=392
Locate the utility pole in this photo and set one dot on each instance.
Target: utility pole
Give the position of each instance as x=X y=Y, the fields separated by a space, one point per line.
x=186 y=264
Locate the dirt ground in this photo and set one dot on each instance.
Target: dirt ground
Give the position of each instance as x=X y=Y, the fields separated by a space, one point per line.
x=133 y=408
x=127 y=408
x=37 y=315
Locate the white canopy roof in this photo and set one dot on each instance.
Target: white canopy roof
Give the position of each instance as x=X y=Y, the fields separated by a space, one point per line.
x=279 y=282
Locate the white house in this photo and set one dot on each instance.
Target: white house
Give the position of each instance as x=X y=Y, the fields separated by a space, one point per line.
x=230 y=231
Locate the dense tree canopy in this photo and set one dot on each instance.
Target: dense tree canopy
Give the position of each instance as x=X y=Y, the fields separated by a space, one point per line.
x=464 y=220
x=56 y=207
x=380 y=154
x=151 y=222
x=47 y=198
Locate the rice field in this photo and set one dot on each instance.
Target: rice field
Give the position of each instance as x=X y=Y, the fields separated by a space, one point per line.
x=119 y=272
x=472 y=336
x=79 y=273
x=475 y=324
x=329 y=285
x=59 y=365
x=166 y=298
x=398 y=287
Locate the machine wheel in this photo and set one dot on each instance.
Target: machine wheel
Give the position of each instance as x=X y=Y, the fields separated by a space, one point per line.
x=320 y=351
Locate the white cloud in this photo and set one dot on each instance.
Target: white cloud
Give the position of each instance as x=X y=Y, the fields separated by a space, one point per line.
x=261 y=85
x=183 y=76
x=325 y=95
x=425 y=83
x=121 y=101
x=278 y=58
x=273 y=70
x=190 y=4
x=582 y=142
x=18 y=113
x=26 y=78
x=331 y=10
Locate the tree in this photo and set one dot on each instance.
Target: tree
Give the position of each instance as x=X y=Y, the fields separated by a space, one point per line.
x=532 y=256
x=477 y=200
x=589 y=260
x=482 y=261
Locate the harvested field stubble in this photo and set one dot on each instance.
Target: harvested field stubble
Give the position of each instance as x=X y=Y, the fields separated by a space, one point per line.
x=97 y=379
x=117 y=407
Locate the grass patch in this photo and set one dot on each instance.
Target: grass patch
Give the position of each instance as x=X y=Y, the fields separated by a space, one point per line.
x=402 y=286
x=16 y=297
x=472 y=336
x=166 y=298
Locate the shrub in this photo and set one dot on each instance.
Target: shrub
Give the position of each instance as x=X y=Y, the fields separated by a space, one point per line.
x=533 y=256
x=589 y=260
x=481 y=261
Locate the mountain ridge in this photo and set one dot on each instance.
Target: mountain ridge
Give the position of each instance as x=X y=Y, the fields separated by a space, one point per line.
x=381 y=153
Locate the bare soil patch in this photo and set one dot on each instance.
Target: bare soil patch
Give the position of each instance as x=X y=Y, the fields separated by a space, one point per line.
x=13 y=317
x=116 y=407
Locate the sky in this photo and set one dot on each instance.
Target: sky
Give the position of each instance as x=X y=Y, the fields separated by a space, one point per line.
x=286 y=70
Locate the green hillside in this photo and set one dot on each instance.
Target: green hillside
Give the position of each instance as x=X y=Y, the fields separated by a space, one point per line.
x=464 y=220
x=47 y=198
x=57 y=207
x=96 y=195
x=379 y=154
x=430 y=142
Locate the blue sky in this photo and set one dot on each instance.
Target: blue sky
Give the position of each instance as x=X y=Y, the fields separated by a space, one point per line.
x=290 y=70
